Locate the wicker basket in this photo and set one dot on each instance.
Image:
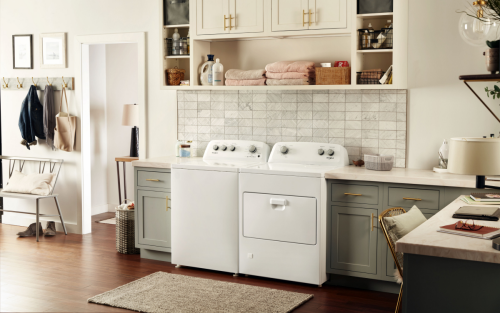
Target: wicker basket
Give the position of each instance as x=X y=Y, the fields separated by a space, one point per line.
x=376 y=162
x=333 y=76
x=174 y=76
x=125 y=232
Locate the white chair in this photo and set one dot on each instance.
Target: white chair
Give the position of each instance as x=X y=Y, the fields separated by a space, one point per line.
x=52 y=163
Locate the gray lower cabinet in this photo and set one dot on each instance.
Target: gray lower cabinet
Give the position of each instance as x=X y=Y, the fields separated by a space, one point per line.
x=354 y=240
x=353 y=249
x=153 y=213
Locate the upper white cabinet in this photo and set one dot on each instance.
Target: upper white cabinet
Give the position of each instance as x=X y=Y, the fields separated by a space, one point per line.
x=289 y=15
x=229 y=16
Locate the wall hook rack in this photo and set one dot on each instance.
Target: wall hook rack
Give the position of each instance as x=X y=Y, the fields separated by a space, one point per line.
x=57 y=83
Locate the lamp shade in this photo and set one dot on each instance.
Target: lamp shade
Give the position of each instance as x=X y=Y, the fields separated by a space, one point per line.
x=130 y=115
x=474 y=156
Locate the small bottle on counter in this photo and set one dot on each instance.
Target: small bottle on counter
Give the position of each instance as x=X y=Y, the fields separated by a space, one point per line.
x=218 y=73
x=185 y=150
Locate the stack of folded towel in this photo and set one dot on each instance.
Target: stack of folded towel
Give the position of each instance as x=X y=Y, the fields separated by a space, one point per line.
x=245 y=78
x=290 y=73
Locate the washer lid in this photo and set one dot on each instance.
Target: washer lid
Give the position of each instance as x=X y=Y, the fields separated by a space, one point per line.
x=303 y=170
x=211 y=165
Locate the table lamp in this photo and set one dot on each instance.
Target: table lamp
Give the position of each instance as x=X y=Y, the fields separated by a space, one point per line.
x=475 y=156
x=131 y=118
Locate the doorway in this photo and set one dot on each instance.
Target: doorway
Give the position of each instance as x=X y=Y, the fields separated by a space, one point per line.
x=110 y=73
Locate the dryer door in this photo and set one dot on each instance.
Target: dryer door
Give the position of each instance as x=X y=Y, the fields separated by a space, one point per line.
x=280 y=218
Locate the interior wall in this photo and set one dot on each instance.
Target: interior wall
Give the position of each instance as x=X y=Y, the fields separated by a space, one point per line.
x=79 y=17
x=440 y=105
x=121 y=88
x=98 y=128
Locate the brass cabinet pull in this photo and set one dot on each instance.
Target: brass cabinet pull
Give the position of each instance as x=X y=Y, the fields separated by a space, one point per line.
x=225 y=18
x=150 y=179
x=310 y=17
x=373 y=226
x=303 y=19
x=352 y=194
x=414 y=199
x=167 y=202
x=230 y=23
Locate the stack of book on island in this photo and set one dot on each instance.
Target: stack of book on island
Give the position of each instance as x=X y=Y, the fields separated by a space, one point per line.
x=387 y=78
x=485 y=232
x=482 y=198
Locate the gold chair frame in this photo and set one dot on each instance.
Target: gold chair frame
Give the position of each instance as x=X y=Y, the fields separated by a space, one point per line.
x=392 y=246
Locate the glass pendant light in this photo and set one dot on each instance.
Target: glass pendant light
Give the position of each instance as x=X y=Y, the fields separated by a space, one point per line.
x=475 y=30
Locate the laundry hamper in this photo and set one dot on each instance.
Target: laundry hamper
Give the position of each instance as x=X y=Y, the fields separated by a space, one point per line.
x=125 y=232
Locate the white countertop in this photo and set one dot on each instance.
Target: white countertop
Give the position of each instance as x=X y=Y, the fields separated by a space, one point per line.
x=404 y=176
x=426 y=240
x=396 y=175
x=162 y=162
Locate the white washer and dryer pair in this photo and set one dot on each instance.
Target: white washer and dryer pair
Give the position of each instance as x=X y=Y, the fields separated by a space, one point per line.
x=234 y=212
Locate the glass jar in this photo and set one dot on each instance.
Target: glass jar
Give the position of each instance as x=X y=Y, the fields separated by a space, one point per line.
x=185 y=150
x=184 y=46
x=168 y=46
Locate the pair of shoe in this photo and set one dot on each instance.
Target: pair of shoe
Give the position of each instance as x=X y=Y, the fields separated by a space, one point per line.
x=31 y=230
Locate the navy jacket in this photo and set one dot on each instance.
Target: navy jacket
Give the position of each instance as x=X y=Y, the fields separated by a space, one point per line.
x=31 y=118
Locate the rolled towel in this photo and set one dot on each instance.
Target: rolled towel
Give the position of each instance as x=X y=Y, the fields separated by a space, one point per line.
x=246 y=82
x=291 y=66
x=290 y=75
x=241 y=74
x=284 y=82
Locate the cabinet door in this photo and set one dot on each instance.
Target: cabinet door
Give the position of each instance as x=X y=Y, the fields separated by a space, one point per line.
x=210 y=17
x=248 y=16
x=153 y=216
x=354 y=240
x=328 y=14
x=290 y=15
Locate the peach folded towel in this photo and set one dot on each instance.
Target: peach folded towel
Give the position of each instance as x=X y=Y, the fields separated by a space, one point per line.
x=241 y=74
x=290 y=75
x=291 y=66
x=246 y=82
x=285 y=82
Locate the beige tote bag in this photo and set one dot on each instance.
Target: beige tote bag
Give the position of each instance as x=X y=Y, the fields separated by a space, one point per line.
x=65 y=131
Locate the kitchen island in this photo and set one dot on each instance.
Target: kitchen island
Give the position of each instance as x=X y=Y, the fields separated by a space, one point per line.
x=446 y=272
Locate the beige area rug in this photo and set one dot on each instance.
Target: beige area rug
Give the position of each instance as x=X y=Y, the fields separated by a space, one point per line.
x=108 y=221
x=168 y=293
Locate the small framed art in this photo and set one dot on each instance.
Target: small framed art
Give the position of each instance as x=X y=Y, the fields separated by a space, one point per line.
x=53 y=50
x=22 y=51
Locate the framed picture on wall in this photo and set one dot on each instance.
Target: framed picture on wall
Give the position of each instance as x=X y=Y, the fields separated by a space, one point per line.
x=22 y=51
x=53 y=50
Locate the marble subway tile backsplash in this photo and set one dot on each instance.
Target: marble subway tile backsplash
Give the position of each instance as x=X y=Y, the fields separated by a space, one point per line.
x=363 y=121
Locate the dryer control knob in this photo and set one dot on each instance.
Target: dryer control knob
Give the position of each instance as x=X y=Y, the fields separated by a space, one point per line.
x=223 y=148
x=232 y=148
x=252 y=149
x=216 y=147
x=330 y=152
x=321 y=151
x=284 y=150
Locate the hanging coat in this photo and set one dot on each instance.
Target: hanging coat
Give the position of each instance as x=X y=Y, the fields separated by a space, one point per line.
x=49 y=118
x=31 y=119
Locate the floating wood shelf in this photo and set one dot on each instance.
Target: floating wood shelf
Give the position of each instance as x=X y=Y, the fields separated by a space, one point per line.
x=481 y=78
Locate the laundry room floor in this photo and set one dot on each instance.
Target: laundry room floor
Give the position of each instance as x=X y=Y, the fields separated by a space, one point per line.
x=59 y=274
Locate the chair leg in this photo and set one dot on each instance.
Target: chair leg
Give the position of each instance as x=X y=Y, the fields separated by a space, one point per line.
x=400 y=300
x=60 y=215
x=37 y=221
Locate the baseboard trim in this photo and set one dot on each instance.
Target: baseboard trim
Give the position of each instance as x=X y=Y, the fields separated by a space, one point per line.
x=18 y=219
x=363 y=283
x=156 y=255
x=98 y=209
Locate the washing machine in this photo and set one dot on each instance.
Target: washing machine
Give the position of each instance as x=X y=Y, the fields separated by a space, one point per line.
x=205 y=204
x=282 y=212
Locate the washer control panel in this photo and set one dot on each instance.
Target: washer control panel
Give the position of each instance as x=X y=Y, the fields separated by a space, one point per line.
x=235 y=150
x=310 y=153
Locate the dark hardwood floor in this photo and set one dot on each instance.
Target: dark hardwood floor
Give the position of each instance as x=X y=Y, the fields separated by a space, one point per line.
x=59 y=274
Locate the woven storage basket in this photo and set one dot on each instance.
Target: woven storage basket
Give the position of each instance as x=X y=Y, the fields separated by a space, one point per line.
x=125 y=232
x=333 y=76
x=378 y=162
x=174 y=76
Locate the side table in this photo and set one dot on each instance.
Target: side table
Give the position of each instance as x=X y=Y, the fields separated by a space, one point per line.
x=124 y=160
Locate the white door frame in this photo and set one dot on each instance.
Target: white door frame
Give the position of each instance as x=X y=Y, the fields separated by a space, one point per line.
x=82 y=94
